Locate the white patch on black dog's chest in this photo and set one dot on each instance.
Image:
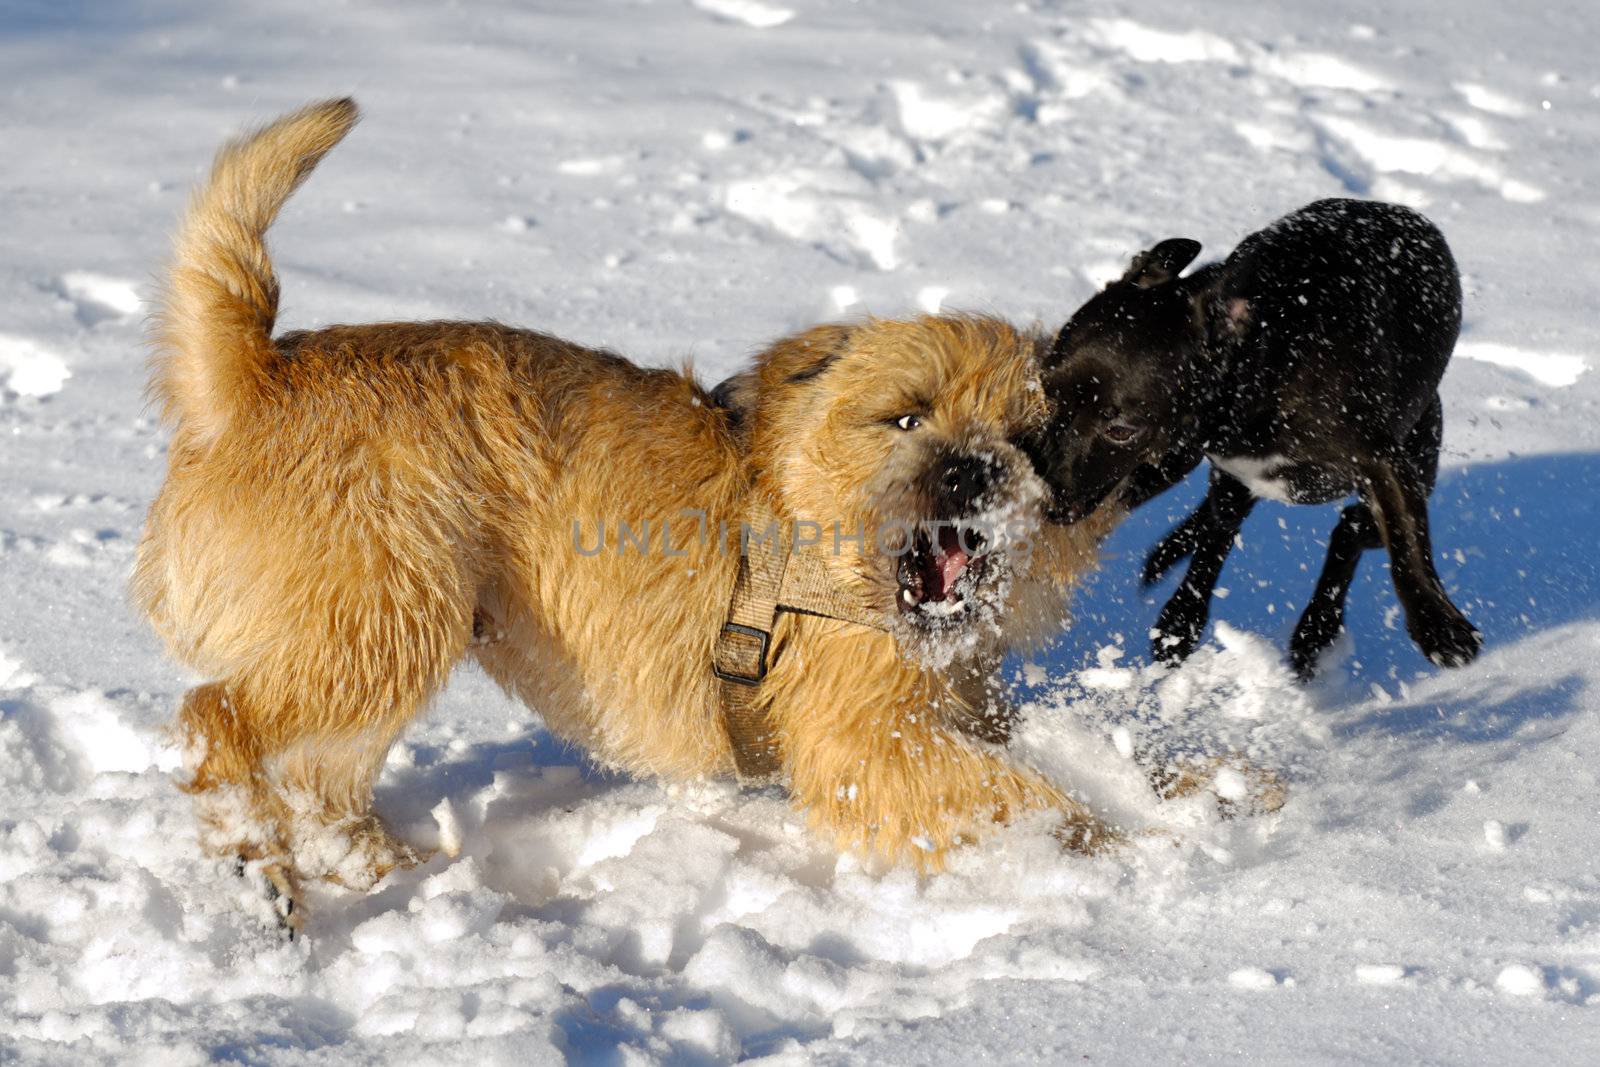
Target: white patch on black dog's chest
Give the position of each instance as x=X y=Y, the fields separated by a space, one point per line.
x=1262 y=475
x=1285 y=479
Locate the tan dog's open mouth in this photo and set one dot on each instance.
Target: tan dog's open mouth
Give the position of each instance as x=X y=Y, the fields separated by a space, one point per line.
x=940 y=575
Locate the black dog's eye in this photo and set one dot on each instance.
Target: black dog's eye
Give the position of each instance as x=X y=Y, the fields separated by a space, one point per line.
x=1121 y=433
x=908 y=422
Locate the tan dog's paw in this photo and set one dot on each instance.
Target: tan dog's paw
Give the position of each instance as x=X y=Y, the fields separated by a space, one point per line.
x=371 y=852
x=1088 y=836
x=278 y=886
x=1241 y=787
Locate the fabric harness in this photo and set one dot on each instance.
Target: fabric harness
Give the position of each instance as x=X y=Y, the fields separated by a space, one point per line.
x=773 y=576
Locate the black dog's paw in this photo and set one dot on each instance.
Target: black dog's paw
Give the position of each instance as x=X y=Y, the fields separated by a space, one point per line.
x=1448 y=639
x=1318 y=628
x=1304 y=658
x=1178 y=629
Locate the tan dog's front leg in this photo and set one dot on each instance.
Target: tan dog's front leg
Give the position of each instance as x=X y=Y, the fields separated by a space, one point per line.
x=1240 y=787
x=895 y=780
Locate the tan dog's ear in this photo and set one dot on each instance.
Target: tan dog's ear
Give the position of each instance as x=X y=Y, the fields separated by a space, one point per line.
x=785 y=403
x=802 y=357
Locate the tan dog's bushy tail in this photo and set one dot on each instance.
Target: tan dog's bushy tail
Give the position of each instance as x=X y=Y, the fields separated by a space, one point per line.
x=213 y=331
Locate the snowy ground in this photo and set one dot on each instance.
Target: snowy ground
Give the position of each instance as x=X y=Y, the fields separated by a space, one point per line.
x=687 y=178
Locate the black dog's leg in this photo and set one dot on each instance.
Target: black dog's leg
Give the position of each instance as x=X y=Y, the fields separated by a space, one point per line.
x=1184 y=618
x=1397 y=493
x=1324 y=616
x=1178 y=545
x=1151 y=481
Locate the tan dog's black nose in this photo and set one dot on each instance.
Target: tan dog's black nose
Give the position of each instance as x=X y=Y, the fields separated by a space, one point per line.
x=963 y=481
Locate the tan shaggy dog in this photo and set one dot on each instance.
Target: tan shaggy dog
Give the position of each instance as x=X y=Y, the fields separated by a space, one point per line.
x=344 y=507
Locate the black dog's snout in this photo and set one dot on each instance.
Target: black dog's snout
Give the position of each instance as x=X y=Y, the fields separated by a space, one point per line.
x=961 y=482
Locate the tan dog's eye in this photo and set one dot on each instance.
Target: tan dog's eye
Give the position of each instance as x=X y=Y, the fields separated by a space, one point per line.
x=908 y=422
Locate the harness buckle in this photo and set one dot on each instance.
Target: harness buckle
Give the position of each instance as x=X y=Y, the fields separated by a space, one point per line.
x=725 y=643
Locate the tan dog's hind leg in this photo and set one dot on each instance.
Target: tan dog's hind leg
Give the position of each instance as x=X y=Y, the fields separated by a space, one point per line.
x=235 y=805
x=335 y=733
x=287 y=812
x=232 y=794
x=285 y=756
x=326 y=781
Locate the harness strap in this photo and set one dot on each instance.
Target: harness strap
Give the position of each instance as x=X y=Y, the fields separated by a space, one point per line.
x=772 y=577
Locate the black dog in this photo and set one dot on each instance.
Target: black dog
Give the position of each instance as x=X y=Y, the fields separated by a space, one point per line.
x=1305 y=367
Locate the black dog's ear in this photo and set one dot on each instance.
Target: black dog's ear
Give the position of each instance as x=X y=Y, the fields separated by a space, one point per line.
x=1221 y=319
x=736 y=396
x=1161 y=264
x=1235 y=316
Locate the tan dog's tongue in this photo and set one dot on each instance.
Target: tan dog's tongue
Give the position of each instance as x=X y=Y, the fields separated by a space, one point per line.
x=952 y=560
